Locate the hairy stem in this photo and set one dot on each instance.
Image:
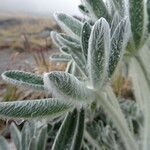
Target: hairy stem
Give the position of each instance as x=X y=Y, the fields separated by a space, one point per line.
x=145 y=95
x=119 y=122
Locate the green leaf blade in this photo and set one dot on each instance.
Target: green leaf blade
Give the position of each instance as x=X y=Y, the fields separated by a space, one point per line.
x=66 y=85
x=24 y=79
x=138 y=21
x=119 y=41
x=41 y=139
x=86 y=31
x=97 y=9
x=99 y=49
x=58 y=57
x=77 y=142
x=69 y=24
x=15 y=135
x=66 y=132
x=3 y=144
x=34 y=108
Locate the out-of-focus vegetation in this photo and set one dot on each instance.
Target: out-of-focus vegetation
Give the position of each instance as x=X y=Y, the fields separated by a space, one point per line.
x=18 y=31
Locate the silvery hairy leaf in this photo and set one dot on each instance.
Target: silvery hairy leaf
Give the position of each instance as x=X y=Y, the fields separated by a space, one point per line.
x=72 y=126
x=119 y=41
x=15 y=135
x=69 y=24
x=59 y=57
x=68 y=41
x=115 y=22
x=138 y=21
x=98 y=52
x=24 y=79
x=83 y=9
x=97 y=9
x=148 y=11
x=67 y=86
x=86 y=31
x=34 y=108
x=121 y=6
x=53 y=35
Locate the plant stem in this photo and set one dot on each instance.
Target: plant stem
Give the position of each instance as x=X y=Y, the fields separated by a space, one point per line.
x=119 y=122
x=145 y=94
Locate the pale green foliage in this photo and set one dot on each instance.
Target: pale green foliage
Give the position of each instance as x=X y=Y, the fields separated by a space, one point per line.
x=113 y=32
x=70 y=134
x=25 y=79
x=34 y=108
x=69 y=24
x=3 y=144
x=98 y=52
x=32 y=137
x=138 y=21
x=67 y=86
x=60 y=58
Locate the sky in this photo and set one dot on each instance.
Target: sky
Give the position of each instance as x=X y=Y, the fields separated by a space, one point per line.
x=40 y=6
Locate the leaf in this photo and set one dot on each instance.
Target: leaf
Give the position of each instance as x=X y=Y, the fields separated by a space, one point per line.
x=98 y=52
x=86 y=31
x=79 y=59
x=121 y=6
x=41 y=139
x=25 y=136
x=97 y=9
x=25 y=79
x=66 y=132
x=3 y=144
x=65 y=50
x=66 y=85
x=78 y=136
x=15 y=135
x=116 y=20
x=119 y=42
x=69 y=24
x=54 y=39
x=33 y=144
x=68 y=41
x=34 y=108
x=138 y=21
x=83 y=9
x=58 y=57
x=148 y=11
x=77 y=56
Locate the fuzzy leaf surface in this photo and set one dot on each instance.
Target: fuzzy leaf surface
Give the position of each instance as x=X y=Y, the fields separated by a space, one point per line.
x=64 y=138
x=66 y=85
x=69 y=24
x=86 y=31
x=25 y=79
x=78 y=136
x=41 y=139
x=148 y=11
x=34 y=108
x=97 y=9
x=98 y=52
x=118 y=43
x=53 y=35
x=68 y=41
x=137 y=18
x=15 y=135
x=58 y=57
